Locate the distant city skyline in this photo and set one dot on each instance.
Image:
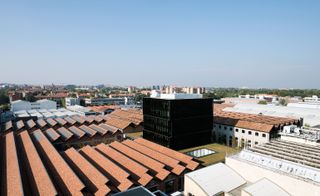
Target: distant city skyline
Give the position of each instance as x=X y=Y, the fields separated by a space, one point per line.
x=254 y=44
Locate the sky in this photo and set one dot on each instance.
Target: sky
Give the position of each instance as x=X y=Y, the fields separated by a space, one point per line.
x=213 y=43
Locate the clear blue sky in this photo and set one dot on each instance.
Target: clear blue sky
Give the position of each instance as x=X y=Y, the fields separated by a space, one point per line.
x=209 y=43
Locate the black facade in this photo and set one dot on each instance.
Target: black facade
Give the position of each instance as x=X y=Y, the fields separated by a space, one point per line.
x=178 y=123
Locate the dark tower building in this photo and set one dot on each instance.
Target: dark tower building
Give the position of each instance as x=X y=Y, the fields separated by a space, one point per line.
x=178 y=122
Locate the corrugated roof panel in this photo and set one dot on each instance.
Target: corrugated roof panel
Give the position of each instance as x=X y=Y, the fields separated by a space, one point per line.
x=110 y=128
x=43 y=183
x=78 y=119
x=109 y=167
x=63 y=173
x=8 y=125
x=65 y=133
x=95 y=180
x=12 y=169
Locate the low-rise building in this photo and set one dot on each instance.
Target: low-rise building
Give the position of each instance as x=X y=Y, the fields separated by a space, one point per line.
x=37 y=105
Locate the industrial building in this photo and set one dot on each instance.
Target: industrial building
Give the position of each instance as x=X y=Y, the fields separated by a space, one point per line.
x=311 y=116
x=177 y=120
x=37 y=105
x=240 y=129
x=294 y=166
x=31 y=165
x=220 y=180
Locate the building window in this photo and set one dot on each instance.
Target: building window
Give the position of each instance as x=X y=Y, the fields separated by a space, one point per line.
x=263 y=135
x=249 y=133
x=180 y=183
x=237 y=130
x=225 y=128
x=249 y=141
x=243 y=131
x=231 y=129
x=236 y=138
x=219 y=126
x=257 y=134
x=256 y=143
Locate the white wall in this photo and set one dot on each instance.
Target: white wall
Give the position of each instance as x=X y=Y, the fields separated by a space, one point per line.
x=26 y=105
x=253 y=173
x=236 y=132
x=191 y=187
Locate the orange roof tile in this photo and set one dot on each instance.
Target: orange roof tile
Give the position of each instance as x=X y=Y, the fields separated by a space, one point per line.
x=65 y=133
x=43 y=183
x=60 y=121
x=90 y=132
x=143 y=159
x=12 y=169
x=31 y=124
x=94 y=180
x=41 y=123
x=127 y=163
x=100 y=130
x=52 y=134
x=76 y=131
x=19 y=124
x=171 y=153
x=173 y=163
x=109 y=167
x=51 y=122
x=70 y=120
x=63 y=173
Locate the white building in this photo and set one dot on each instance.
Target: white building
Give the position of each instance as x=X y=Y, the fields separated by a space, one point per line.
x=70 y=101
x=314 y=98
x=26 y=105
x=311 y=116
x=294 y=178
x=156 y=94
x=222 y=180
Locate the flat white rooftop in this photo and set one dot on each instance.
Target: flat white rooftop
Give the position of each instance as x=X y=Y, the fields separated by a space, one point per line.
x=175 y=96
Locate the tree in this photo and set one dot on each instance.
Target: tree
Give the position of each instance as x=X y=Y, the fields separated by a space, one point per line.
x=263 y=102
x=283 y=102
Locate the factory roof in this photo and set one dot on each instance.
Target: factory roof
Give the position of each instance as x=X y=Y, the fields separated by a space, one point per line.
x=216 y=179
x=265 y=187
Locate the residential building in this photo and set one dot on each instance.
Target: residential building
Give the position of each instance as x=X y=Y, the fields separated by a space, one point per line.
x=71 y=101
x=177 y=120
x=104 y=101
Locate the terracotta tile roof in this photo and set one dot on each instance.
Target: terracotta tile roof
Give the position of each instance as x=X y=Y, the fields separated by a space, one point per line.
x=31 y=124
x=114 y=171
x=70 y=120
x=110 y=128
x=249 y=121
x=12 y=169
x=60 y=121
x=8 y=125
x=88 y=119
x=100 y=130
x=76 y=131
x=119 y=123
x=173 y=163
x=52 y=134
x=19 y=125
x=135 y=116
x=41 y=123
x=51 y=122
x=43 y=184
x=94 y=179
x=192 y=165
x=127 y=163
x=78 y=119
x=63 y=173
x=143 y=159
x=90 y=132
x=98 y=119
x=65 y=133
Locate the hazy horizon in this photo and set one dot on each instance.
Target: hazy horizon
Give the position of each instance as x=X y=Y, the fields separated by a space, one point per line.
x=250 y=44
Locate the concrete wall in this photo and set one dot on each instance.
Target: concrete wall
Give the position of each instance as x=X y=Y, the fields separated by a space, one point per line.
x=252 y=173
